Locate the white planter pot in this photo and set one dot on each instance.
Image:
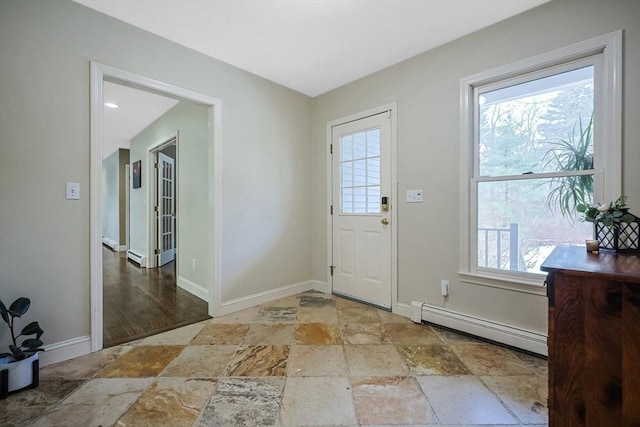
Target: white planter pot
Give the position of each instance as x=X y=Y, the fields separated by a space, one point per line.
x=20 y=373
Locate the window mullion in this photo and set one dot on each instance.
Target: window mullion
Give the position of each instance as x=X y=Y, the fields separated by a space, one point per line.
x=584 y=172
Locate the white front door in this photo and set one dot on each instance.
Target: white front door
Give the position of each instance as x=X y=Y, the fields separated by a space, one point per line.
x=361 y=153
x=166 y=209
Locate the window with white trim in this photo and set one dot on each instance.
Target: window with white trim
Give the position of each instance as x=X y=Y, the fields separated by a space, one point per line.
x=535 y=141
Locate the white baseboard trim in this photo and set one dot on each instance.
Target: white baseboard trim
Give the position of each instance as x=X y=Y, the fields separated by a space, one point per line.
x=403 y=310
x=499 y=332
x=139 y=259
x=65 y=350
x=320 y=286
x=193 y=288
x=238 y=304
x=123 y=248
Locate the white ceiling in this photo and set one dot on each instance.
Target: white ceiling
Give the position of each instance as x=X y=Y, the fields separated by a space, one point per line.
x=312 y=46
x=138 y=109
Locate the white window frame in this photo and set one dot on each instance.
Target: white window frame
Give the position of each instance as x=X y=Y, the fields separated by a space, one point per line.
x=609 y=132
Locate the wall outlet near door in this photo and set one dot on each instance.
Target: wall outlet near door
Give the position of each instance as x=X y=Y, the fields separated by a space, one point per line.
x=444 y=287
x=193 y=264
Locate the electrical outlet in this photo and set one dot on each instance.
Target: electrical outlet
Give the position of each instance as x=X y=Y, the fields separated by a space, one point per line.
x=193 y=264
x=444 y=287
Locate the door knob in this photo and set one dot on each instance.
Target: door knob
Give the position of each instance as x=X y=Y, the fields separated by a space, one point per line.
x=385 y=221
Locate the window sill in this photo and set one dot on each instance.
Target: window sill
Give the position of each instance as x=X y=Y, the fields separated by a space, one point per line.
x=516 y=284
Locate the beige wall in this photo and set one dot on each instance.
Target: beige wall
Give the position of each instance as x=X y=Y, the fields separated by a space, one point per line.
x=111 y=197
x=124 y=183
x=45 y=50
x=190 y=121
x=427 y=90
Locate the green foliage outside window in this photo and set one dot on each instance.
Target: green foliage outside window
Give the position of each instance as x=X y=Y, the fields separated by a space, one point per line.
x=572 y=154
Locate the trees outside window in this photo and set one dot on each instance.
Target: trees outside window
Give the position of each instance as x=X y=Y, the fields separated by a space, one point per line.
x=538 y=138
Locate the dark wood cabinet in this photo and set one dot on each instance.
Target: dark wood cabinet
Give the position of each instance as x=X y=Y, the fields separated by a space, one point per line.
x=594 y=338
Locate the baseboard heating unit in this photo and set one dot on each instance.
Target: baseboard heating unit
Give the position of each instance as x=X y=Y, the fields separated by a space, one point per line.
x=110 y=243
x=137 y=258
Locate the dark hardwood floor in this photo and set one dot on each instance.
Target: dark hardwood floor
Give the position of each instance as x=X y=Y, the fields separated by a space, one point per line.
x=139 y=302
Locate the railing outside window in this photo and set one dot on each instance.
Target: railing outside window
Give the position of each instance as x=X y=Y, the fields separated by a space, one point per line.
x=498 y=247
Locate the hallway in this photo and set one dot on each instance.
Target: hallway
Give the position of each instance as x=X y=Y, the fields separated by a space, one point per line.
x=139 y=302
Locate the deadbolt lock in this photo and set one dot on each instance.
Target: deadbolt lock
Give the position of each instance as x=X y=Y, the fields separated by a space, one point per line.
x=385 y=203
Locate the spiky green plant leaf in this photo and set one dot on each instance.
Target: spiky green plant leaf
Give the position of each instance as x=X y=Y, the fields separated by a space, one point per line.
x=567 y=155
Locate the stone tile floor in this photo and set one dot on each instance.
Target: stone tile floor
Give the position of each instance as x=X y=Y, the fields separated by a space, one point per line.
x=308 y=360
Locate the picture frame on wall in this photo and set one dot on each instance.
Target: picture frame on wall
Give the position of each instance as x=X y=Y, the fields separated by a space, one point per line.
x=137 y=174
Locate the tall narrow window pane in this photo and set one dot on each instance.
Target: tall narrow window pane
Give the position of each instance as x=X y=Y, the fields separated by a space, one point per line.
x=347 y=174
x=347 y=200
x=359 y=173
x=373 y=171
x=359 y=145
x=373 y=143
x=359 y=200
x=346 y=147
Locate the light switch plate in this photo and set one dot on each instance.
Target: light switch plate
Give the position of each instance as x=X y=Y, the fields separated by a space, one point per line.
x=414 y=196
x=73 y=191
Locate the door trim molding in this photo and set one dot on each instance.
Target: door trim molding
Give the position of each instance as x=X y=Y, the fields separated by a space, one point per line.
x=98 y=73
x=393 y=108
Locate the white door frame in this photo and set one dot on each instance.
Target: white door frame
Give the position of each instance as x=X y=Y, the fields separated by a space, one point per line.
x=98 y=74
x=393 y=109
x=127 y=202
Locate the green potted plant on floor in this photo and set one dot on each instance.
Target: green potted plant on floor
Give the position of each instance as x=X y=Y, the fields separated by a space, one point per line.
x=19 y=367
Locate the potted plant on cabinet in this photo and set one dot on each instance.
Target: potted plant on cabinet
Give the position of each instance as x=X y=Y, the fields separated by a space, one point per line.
x=615 y=228
x=19 y=368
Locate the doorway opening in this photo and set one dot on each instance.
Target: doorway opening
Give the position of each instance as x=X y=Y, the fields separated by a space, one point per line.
x=154 y=257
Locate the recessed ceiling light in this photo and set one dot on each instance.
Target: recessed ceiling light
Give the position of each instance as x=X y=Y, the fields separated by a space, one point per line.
x=111 y=105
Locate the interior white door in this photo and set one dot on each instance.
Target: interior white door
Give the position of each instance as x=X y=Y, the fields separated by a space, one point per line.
x=361 y=223
x=166 y=209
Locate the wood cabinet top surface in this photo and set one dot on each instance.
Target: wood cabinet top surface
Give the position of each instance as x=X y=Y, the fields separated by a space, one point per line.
x=575 y=260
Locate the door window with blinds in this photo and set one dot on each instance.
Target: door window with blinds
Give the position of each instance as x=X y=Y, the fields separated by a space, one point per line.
x=360 y=172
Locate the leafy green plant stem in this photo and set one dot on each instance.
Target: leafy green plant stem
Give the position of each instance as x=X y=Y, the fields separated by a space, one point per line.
x=13 y=334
